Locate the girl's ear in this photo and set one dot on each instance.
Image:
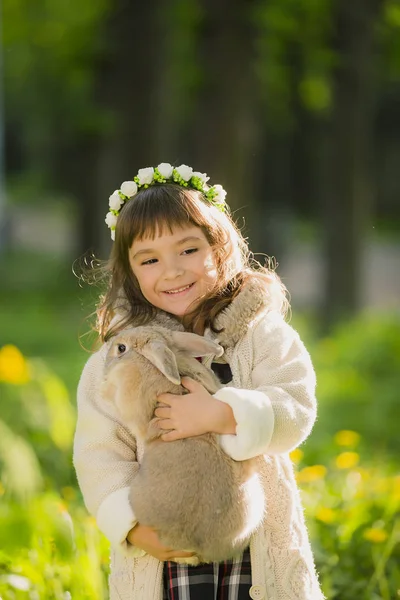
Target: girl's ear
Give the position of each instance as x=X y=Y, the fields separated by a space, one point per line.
x=164 y=359
x=195 y=345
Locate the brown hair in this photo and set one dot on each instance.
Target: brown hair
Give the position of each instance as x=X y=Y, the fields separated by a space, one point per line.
x=161 y=208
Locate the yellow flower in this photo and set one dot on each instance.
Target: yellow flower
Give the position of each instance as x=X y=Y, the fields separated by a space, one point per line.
x=375 y=535
x=61 y=508
x=347 y=460
x=309 y=474
x=296 y=455
x=2 y=490
x=13 y=366
x=346 y=437
x=326 y=515
x=396 y=487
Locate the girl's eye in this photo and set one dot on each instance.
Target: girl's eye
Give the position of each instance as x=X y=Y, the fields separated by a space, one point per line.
x=121 y=348
x=190 y=250
x=151 y=261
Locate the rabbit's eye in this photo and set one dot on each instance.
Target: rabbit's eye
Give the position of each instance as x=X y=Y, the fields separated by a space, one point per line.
x=121 y=348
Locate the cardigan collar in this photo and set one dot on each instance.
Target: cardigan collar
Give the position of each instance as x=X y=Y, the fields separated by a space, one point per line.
x=253 y=300
x=233 y=321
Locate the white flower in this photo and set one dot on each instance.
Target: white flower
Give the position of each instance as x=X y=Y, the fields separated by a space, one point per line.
x=129 y=188
x=221 y=194
x=113 y=235
x=145 y=175
x=202 y=176
x=115 y=202
x=185 y=172
x=111 y=219
x=18 y=582
x=165 y=170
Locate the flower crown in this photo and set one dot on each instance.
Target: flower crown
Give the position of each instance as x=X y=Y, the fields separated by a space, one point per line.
x=164 y=173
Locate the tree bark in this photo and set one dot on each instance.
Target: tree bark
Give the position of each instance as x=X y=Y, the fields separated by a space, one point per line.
x=346 y=202
x=125 y=90
x=223 y=138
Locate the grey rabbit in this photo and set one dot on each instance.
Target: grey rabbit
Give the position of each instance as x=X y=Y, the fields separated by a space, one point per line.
x=196 y=497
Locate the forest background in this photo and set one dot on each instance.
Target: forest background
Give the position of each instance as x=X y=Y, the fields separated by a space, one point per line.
x=293 y=106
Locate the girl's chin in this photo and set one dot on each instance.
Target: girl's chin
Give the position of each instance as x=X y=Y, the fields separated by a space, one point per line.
x=180 y=311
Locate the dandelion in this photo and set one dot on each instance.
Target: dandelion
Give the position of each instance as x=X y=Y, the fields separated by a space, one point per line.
x=346 y=437
x=396 y=487
x=347 y=460
x=326 y=515
x=296 y=455
x=375 y=535
x=13 y=366
x=310 y=474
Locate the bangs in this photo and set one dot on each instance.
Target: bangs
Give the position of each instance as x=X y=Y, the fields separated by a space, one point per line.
x=158 y=210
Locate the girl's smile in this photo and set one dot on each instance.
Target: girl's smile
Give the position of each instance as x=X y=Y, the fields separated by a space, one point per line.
x=174 y=270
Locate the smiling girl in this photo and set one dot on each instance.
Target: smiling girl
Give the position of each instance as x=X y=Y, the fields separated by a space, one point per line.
x=177 y=252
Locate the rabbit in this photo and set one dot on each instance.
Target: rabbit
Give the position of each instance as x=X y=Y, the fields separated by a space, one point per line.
x=196 y=497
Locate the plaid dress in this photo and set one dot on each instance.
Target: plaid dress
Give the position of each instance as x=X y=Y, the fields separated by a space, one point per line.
x=229 y=580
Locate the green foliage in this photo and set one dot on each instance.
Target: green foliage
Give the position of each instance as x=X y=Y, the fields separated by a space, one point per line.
x=358 y=370
x=352 y=508
x=49 y=53
x=44 y=312
x=36 y=413
x=51 y=550
x=295 y=57
x=388 y=35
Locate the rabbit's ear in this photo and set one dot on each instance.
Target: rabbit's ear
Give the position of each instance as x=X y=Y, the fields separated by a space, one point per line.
x=196 y=345
x=164 y=359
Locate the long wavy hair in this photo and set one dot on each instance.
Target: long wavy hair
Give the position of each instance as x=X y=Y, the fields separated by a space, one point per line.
x=161 y=208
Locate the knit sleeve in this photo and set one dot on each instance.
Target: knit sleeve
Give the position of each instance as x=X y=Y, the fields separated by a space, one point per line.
x=104 y=458
x=278 y=412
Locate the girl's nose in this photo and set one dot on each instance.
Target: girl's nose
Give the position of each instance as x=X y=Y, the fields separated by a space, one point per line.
x=173 y=270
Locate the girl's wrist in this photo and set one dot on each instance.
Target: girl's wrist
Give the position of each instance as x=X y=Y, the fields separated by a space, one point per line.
x=131 y=534
x=225 y=422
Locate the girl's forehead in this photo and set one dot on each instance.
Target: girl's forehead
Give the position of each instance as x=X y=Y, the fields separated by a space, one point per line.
x=170 y=235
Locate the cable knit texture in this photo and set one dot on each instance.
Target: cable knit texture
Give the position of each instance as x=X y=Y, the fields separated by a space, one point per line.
x=272 y=397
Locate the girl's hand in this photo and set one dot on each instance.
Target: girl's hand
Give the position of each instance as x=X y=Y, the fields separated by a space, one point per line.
x=193 y=414
x=146 y=539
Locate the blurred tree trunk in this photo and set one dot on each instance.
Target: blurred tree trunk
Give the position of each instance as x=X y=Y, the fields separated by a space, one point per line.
x=125 y=88
x=346 y=199
x=224 y=135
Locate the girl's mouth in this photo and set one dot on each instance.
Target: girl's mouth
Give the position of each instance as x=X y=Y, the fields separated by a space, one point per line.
x=179 y=291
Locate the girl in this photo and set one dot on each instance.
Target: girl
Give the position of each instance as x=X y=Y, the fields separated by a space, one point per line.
x=178 y=252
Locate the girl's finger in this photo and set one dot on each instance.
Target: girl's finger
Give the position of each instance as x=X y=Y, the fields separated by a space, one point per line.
x=180 y=554
x=163 y=413
x=165 y=424
x=166 y=398
x=190 y=384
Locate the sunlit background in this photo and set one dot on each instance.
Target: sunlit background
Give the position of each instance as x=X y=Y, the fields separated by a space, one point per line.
x=291 y=105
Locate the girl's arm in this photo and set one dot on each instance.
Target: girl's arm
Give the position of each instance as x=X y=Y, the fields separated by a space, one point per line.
x=278 y=413
x=104 y=458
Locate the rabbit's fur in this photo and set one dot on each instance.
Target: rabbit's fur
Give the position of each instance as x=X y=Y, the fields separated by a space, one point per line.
x=195 y=496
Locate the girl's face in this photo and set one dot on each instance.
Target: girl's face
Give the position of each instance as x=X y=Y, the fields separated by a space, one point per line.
x=175 y=269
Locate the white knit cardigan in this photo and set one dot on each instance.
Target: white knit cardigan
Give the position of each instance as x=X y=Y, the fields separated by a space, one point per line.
x=272 y=396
